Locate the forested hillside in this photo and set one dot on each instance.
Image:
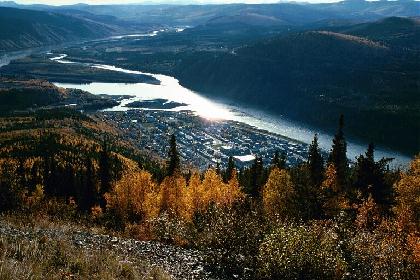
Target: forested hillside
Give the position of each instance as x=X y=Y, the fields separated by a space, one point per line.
x=399 y=32
x=21 y=29
x=315 y=75
x=320 y=219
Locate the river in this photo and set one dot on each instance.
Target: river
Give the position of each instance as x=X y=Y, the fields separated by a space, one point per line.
x=170 y=89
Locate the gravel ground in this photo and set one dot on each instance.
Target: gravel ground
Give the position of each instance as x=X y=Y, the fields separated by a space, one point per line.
x=178 y=262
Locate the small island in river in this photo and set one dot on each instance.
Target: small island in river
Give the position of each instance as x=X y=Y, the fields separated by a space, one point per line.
x=159 y=103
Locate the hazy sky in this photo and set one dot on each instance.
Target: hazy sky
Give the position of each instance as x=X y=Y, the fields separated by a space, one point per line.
x=64 y=2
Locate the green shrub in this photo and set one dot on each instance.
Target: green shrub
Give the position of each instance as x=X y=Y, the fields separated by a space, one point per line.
x=301 y=252
x=169 y=229
x=230 y=239
x=383 y=253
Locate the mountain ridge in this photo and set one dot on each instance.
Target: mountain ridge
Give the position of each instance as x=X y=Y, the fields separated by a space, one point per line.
x=20 y=29
x=316 y=75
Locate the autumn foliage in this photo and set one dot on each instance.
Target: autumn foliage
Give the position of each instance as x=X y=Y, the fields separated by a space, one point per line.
x=278 y=195
x=253 y=223
x=407 y=189
x=136 y=197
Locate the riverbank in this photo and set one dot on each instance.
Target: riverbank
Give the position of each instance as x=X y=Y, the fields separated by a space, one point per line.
x=41 y=66
x=171 y=90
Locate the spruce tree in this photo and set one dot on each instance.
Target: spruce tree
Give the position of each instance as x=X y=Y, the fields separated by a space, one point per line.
x=315 y=163
x=173 y=163
x=257 y=180
x=104 y=173
x=218 y=172
x=229 y=170
x=338 y=156
x=20 y=172
x=279 y=160
x=89 y=198
x=365 y=171
x=370 y=177
x=69 y=183
x=50 y=176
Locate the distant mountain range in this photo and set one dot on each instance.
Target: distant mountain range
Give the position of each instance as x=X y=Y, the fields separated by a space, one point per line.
x=264 y=14
x=25 y=26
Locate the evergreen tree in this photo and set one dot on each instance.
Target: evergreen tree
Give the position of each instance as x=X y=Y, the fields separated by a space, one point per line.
x=21 y=173
x=50 y=176
x=257 y=179
x=365 y=171
x=69 y=182
x=173 y=163
x=35 y=177
x=308 y=199
x=9 y=198
x=218 y=168
x=279 y=160
x=315 y=163
x=230 y=169
x=370 y=177
x=338 y=156
x=104 y=173
x=89 y=198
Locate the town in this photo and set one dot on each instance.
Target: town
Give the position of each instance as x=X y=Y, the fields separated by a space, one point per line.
x=201 y=142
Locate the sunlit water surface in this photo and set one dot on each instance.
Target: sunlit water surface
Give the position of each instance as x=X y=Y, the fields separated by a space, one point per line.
x=170 y=89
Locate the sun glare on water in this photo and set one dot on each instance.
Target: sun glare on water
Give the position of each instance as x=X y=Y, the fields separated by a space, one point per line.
x=170 y=89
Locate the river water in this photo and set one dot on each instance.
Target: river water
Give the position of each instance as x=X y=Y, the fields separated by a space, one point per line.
x=170 y=89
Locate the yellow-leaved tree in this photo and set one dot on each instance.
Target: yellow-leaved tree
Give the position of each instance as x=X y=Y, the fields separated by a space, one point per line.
x=173 y=196
x=407 y=190
x=130 y=198
x=196 y=196
x=212 y=189
x=334 y=200
x=368 y=214
x=233 y=191
x=278 y=194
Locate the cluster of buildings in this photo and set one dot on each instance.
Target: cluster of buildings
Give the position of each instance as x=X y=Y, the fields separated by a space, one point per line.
x=202 y=143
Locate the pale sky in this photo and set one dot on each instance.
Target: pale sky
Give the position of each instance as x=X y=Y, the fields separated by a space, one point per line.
x=93 y=2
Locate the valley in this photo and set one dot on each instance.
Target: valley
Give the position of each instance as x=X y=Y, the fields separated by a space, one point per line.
x=294 y=76
x=305 y=68
x=210 y=141
x=86 y=63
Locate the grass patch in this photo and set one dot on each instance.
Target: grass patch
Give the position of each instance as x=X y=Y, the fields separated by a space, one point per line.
x=26 y=254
